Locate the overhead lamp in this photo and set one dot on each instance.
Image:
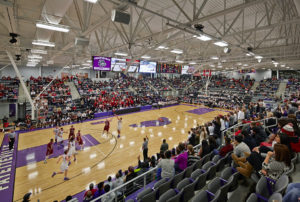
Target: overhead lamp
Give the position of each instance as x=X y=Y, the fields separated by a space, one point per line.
x=259 y=60
x=38 y=51
x=85 y=64
x=245 y=65
x=220 y=66
x=287 y=67
x=89 y=61
x=214 y=57
x=35 y=56
x=146 y=57
x=177 y=51
x=67 y=67
x=248 y=54
x=258 y=57
x=275 y=63
x=121 y=54
x=282 y=65
x=227 y=50
x=31 y=64
x=179 y=61
x=43 y=43
x=212 y=65
x=51 y=26
x=202 y=37
x=161 y=47
x=239 y=63
x=221 y=43
x=192 y=63
x=91 y=1
x=223 y=60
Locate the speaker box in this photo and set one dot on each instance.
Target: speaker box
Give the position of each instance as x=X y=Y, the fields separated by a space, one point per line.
x=80 y=41
x=119 y=16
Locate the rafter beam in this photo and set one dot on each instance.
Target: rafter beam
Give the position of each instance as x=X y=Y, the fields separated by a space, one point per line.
x=182 y=11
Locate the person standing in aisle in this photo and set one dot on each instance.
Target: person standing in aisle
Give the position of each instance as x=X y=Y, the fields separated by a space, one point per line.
x=145 y=148
x=11 y=136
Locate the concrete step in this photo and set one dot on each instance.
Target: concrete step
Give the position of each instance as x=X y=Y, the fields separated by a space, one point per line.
x=74 y=92
x=281 y=89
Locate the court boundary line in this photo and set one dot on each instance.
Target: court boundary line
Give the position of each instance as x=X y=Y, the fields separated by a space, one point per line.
x=81 y=173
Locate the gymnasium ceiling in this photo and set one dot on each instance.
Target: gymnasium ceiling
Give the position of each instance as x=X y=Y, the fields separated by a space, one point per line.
x=270 y=27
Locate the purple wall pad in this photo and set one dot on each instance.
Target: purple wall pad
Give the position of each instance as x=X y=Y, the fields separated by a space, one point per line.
x=153 y=123
x=7 y=169
x=98 y=122
x=37 y=154
x=200 y=111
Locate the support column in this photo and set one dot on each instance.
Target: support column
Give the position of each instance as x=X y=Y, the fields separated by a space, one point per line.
x=22 y=84
x=277 y=74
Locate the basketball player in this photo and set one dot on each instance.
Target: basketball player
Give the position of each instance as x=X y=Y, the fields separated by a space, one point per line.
x=49 y=150
x=119 y=126
x=56 y=131
x=79 y=139
x=64 y=165
x=106 y=126
x=72 y=132
x=71 y=149
x=60 y=140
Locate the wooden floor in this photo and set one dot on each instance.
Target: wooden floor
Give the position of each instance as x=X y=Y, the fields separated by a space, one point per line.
x=109 y=156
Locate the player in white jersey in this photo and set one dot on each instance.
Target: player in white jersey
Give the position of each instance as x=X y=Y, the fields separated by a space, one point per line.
x=119 y=126
x=56 y=131
x=64 y=165
x=60 y=139
x=72 y=149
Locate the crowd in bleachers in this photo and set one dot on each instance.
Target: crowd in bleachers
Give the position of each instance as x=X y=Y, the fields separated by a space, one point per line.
x=258 y=152
x=9 y=89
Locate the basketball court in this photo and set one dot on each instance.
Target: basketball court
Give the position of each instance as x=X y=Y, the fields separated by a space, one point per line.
x=101 y=156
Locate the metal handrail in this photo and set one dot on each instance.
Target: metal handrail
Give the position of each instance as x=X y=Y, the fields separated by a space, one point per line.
x=244 y=124
x=131 y=181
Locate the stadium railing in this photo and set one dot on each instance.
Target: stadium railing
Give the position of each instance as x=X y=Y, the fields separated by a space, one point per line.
x=141 y=181
x=231 y=130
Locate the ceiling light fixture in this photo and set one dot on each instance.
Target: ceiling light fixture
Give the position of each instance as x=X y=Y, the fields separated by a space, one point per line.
x=35 y=56
x=91 y=1
x=146 y=57
x=221 y=43
x=161 y=47
x=43 y=43
x=258 y=57
x=212 y=65
x=203 y=37
x=214 y=57
x=192 y=63
x=245 y=65
x=51 y=26
x=121 y=54
x=177 y=51
x=179 y=61
x=38 y=51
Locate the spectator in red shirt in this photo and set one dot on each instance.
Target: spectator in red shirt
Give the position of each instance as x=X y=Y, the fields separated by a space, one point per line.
x=227 y=148
x=91 y=189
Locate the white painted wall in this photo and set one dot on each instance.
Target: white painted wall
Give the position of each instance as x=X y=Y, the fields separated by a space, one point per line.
x=258 y=75
x=27 y=72
x=4 y=110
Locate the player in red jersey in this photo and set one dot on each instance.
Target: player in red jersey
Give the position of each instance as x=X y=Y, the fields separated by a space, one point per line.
x=79 y=139
x=106 y=126
x=49 y=150
x=72 y=132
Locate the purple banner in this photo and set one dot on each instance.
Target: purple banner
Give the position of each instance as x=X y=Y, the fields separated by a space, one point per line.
x=7 y=169
x=101 y=63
